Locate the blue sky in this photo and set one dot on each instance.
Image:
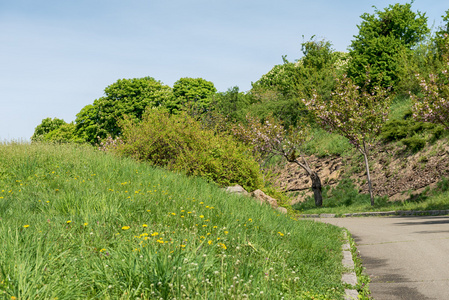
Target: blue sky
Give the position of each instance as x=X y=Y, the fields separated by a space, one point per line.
x=58 y=56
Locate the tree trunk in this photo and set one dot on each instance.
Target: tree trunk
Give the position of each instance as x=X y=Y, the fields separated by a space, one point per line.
x=316 y=188
x=370 y=187
x=316 y=181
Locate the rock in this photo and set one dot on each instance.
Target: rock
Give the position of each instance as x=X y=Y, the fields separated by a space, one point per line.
x=264 y=198
x=282 y=210
x=236 y=189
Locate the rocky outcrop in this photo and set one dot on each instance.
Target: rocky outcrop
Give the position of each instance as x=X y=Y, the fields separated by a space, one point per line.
x=394 y=172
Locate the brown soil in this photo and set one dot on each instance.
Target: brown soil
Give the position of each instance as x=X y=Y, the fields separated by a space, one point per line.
x=394 y=171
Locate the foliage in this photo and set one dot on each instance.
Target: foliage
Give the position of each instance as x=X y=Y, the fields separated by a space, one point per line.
x=354 y=113
x=279 y=91
x=442 y=34
x=383 y=37
x=432 y=105
x=179 y=143
x=47 y=125
x=191 y=94
x=269 y=137
x=63 y=134
x=80 y=224
x=130 y=97
x=232 y=104
x=414 y=143
x=345 y=194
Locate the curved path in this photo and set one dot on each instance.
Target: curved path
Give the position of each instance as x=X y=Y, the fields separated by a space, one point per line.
x=405 y=257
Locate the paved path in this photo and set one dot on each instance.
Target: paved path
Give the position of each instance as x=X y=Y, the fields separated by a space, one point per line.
x=405 y=257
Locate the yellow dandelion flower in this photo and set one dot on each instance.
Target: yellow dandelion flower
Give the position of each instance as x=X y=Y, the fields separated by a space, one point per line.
x=69 y=221
x=210 y=242
x=144 y=225
x=125 y=227
x=226 y=232
x=154 y=234
x=102 y=250
x=201 y=216
x=281 y=234
x=26 y=226
x=85 y=224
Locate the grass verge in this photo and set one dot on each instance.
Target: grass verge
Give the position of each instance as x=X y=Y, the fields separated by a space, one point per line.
x=346 y=199
x=80 y=224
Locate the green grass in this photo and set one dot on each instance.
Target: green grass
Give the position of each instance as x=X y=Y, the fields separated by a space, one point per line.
x=346 y=199
x=76 y=223
x=325 y=144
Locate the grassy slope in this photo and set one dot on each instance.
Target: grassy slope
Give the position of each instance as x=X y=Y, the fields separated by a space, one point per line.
x=78 y=224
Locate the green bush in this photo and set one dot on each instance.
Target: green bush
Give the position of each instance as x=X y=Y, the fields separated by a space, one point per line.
x=414 y=143
x=179 y=143
x=443 y=184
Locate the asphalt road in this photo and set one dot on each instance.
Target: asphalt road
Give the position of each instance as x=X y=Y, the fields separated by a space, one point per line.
x=405 y=257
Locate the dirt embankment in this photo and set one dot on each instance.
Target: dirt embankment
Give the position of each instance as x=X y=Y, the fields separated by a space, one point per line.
x=394 y=171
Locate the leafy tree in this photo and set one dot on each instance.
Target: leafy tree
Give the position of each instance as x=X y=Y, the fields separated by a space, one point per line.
x=442 y=34
x=129 y=97
x=232 y=103
x=66 y=133
x=432 y=104
x=354 y=113
x=382 y=37
x=191 y=94
x=279 y=92
x=47 y=125
x=270 y=138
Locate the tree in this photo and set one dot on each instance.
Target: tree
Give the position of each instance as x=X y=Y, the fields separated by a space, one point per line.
x=432 y=104
x=442 y=34
x=354 y=113
x=270 y=138
x=382 y=37
x=129 y=97
x=280 y=91
x=191 y=93
x=66 y=133
x=47 y=125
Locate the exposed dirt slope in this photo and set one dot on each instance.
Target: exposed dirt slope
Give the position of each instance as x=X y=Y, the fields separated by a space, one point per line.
x=394 y=171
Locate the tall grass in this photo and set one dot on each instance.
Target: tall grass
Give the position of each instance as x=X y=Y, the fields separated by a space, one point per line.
x=76 y=223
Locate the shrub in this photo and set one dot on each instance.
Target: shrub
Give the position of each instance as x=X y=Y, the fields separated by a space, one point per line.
x=414 y=143
x=179 y=143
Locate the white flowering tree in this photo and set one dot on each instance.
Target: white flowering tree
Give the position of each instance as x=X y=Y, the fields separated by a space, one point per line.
x=270 y=138
x=432 y=105
x=355 y=114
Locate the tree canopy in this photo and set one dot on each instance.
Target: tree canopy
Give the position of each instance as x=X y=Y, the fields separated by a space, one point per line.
x=191 y=93
x=382 y=36
x=129 y=97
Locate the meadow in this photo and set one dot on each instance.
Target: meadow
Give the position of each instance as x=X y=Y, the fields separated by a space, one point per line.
x=76 y=223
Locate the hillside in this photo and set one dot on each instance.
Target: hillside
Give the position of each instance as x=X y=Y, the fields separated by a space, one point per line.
x=77 y=223
x=396 y=172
